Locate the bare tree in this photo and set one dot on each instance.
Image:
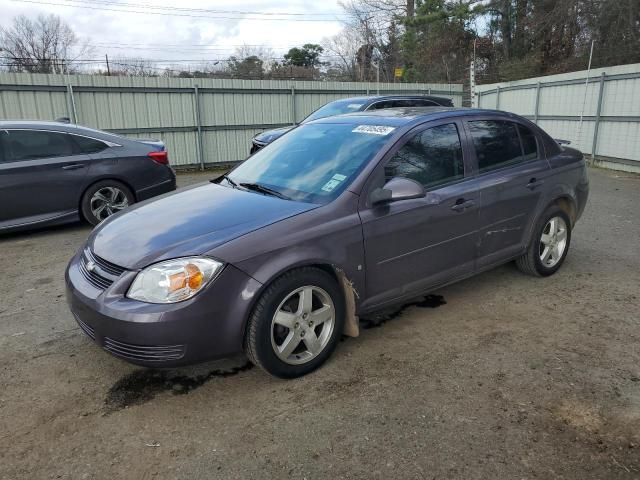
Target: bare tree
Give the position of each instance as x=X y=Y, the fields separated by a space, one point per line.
x=43 y=45
x=378 y=25
x=343 y=48
x=134 y=67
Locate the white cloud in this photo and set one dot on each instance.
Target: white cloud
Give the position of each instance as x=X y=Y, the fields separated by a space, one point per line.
x=121 y=34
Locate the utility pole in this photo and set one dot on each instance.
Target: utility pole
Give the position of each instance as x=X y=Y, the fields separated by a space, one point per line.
x=472 y=83
x=106 y=57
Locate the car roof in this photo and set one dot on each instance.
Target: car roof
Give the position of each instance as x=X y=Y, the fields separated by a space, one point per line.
x=377 y=98
x=58 y=127
x=38 y=124
x=397 y=117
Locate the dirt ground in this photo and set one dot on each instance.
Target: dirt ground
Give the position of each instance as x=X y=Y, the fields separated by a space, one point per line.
x=502 y=376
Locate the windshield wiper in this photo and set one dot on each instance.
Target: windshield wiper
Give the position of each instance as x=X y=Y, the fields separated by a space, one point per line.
x=256 y=187
x=224 y=177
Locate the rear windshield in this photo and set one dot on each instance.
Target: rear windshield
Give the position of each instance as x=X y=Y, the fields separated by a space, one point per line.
x=315 y=162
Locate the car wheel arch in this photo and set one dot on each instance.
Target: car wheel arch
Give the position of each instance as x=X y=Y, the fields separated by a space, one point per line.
x=567 y=204
x=336 y=273
x=101 y=179
x=564 y=201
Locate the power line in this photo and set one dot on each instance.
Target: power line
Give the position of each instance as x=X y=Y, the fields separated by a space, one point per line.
x=174 y=14
x=208 y=10
x=106 y=44
x=176 y=48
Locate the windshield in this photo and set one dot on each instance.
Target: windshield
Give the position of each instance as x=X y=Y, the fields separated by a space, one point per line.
x=335 y=108
x=313 y=163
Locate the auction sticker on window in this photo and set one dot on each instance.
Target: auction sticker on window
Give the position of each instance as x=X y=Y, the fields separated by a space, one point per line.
x=333 y=183
x=373 y=129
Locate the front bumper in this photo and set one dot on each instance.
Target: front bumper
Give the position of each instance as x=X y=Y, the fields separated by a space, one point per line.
x=207 y=326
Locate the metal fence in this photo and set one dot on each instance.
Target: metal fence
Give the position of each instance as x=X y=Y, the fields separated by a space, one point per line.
x=599 y=111
x=202 y=121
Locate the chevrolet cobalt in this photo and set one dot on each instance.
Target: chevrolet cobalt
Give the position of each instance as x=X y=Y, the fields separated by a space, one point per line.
x=338 y=218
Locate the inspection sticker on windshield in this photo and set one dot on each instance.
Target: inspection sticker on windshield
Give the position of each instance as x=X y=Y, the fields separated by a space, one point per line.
x=373 y=129
x=334 y=182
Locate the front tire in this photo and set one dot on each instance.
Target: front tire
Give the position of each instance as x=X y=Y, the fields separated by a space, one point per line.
x=296 y=323
x=103 y=199
x=549 y=244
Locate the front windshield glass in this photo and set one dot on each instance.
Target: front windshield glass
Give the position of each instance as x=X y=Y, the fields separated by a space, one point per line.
x=313 y=163
x=335 y=108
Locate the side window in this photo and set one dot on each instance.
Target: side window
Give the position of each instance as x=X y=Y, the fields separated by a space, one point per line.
x=89 y=145
x=34 y=144
x=529 y=144
x=432 y=157
x=380 y=105
x=403 y=103
x=496 y=143
x=426 y=103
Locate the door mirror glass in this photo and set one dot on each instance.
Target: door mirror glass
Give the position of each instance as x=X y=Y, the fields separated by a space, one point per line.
x=397 y=189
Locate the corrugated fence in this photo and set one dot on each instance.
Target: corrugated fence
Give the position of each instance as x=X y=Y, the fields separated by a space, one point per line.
x=201 y=120
x=599 y=114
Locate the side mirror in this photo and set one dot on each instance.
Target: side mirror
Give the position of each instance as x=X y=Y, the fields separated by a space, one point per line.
x=396 y=189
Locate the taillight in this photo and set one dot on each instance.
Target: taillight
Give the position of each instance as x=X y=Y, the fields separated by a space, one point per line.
x=160 y=157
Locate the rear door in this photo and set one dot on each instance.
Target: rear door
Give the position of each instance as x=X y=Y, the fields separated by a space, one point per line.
x=511 y=170
x=41 y=177
x=411 y=245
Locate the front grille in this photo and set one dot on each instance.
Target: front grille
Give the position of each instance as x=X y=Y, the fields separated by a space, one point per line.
x=105 y=265
x=99 y=272
x=86 y=329
x=146 y=353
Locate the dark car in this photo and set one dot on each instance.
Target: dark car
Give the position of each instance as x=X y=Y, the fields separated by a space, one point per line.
x=341 y=217
x=350 y=105
x=52 y=173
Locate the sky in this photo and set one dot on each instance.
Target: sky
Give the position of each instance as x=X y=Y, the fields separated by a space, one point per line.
x=186 y=32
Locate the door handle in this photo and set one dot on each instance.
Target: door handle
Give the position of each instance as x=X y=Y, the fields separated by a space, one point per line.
x=462 y=204
x=534 y=183
x=73 y=166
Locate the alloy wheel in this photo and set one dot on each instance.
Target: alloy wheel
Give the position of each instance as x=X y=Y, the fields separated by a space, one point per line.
x=107 y=201
x=553 y=242
x=302 y=325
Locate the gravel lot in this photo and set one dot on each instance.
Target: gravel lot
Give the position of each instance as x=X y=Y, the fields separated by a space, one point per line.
x=513 y=377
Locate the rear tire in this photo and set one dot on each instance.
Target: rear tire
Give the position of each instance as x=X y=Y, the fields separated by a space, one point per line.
x=549 y=244
x=296 y=323
x=103 y=199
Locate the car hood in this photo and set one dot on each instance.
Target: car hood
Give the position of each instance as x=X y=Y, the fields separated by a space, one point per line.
x=269 y=136
x=191 y=221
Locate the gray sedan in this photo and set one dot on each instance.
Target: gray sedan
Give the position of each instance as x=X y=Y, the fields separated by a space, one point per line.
x=340 y=217
x=53 y=172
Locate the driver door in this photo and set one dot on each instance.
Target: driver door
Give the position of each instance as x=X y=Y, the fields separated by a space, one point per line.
x=412 y=245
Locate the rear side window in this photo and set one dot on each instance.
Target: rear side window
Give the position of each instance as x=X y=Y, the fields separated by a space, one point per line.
x=432 y=157
x=496 y=142
x=529 y=143
x=35 y=144
x=89 y=145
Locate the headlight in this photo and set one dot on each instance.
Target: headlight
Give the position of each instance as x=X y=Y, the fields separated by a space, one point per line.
x=174 y=280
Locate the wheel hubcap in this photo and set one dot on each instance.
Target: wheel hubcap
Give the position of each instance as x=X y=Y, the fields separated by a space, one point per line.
x=553 y=242
x=107 y=201
x=302 y=325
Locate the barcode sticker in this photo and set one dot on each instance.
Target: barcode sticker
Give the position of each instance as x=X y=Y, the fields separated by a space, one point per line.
x=373 y=129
